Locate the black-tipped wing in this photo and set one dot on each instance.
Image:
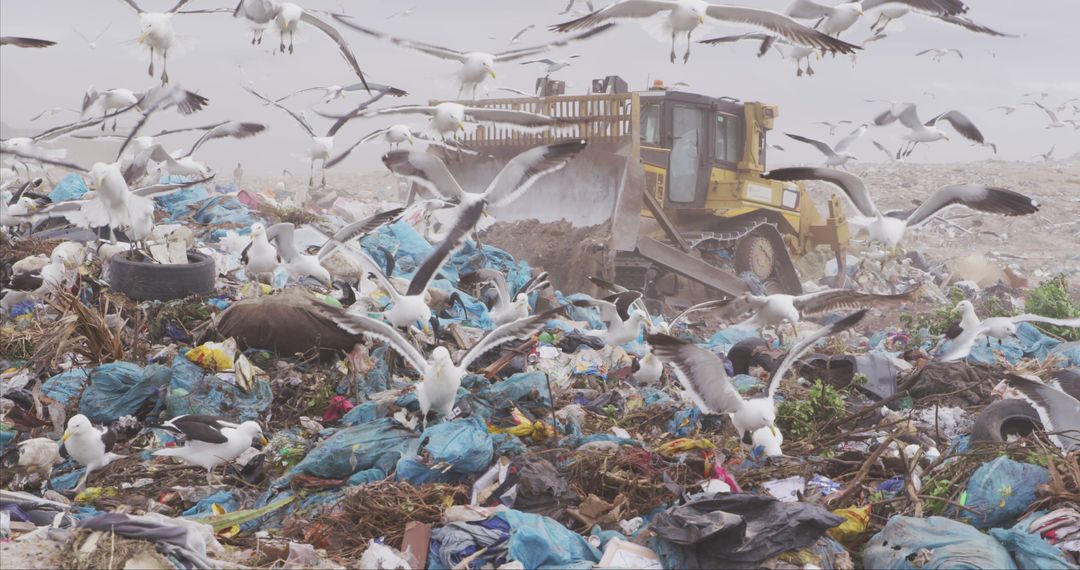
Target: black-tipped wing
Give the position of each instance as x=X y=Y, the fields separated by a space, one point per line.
x=622 y=9
x=44 y=160
x=361 y=325
x=503 y=334
x=25 y=42
x=230 y=129
x=700 y=372
x=805 y=344
x=300 y=120
x=823 y=147
x=159 y=190
x=534 y=50
x=358 y=229
x=510 y=117
x=971 y=25
x=426 y=170
x=526 y=168
x=199 y=427
x=926 y=6
x=962 y=124
x=468 y=215
x=335 y=35
x=1059 y=412
x=852 y=185
x=695 y=308
x=977 y=197
x=835 y=299
x=778 y=23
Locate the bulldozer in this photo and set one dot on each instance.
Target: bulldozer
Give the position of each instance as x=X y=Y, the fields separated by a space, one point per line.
x=672 y=183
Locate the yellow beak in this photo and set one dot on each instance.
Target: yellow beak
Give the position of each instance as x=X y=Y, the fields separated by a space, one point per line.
x=410 y=140
x=263 y=440
x=701 y=19
x=461 y=126
x=65 y=437
x=947 y=137
x=492 y=73
x=773 y=430
x=142 y=38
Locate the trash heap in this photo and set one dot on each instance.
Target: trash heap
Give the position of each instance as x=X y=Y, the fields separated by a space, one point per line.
x=554 y=457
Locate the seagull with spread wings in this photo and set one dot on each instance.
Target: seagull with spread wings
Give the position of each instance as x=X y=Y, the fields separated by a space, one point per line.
x=890 y=229
x=508 y=306
x=837 y=155
x=776 y=309
x=182 y=163
x=1057 y=401
x=156 y=32
x=929 y=132
x=476 y=66
x=702 y=375
x=440 y=375
x=963 y=335
x=334 y=92
x=1055 y=122
x=684 y=16
x=940 y=53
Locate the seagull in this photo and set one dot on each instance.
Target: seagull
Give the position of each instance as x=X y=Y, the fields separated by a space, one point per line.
x=286 y=16
x=552 y=65
x=25 y=42
x=1055 y=123
x=260 y=257
x=448 y=118
x=795 y=53
x=1009 y=109
x=440 y=376
x=939 y=53
x=210 y=441
x=890 y=230
x=58 y=274
x=402 y=13
x=92 y=44
x=833 y=126
x=964 y=334
x=570 y=6
x=684 y=16
x=88 y=446
x=321 y=146
x=832 y=20
x=517 y=37
x=838 y=155
x=623 y=324
x=334 y=92
x=509 y=307
x=476 y=66
x=181 y=163
x=702 y=375
x=299 y=265
x=395 y=135
x=1057 y=402
x=890 y=154
x=776 y=309
x=53 y=111
x=1048 y=154
x=156 y=32
x=929 y=132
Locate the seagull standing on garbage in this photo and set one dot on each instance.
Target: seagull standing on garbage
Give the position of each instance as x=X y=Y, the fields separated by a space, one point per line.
x=963 y=336
x=890 y=228
x=260 y=258
x=88 y=446
x=299 y=265
x=507 y=308
x=440 y=376
x=210 y=441
x=623 y=319
x=702 y=375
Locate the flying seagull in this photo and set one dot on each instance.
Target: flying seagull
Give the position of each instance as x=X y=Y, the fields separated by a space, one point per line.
x=552 y=65
x=448 y=118
x=833 y=126
x=702 y=375
x=287 y=17
x=1009 y=109
x=210 y=441
x=89 y=446
x=1046 y=156
x=440 y=375
x=1055 y=122
x=181 y=163
x=890 y=230
x=156 y=32
x=684 y=16
x=333 y=92
x=939 y=53
x=775 y=309
x=92 y=43
x=838 y=155
x=890 y=154
x=395 y=135
x=25 y=42
x=1057 y=402
x=476 y=66
x=929 y=132
x=795 y=53
x=299 y=265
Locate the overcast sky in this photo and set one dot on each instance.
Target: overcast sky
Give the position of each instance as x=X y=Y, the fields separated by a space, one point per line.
x=216 y=58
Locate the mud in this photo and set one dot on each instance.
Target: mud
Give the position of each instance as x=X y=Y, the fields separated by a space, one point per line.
x=569 y=254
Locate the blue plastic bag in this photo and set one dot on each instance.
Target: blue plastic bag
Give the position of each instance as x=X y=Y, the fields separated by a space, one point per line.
x=66 y=386
x=380 y=443
x=119 y=389
x=1002 y=490
x=70 y=187
x=463 y=444
x=951 y=544
x=193 y=390
x=1030 y=550
x=541 y=542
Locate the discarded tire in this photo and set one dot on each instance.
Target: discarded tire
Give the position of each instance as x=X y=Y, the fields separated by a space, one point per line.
x=144 y=281
x=1004 y=418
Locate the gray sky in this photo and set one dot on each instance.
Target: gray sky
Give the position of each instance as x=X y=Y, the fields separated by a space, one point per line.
x=216 y=57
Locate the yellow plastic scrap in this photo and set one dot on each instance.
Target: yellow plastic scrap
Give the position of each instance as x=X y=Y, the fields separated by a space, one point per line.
x=684 y=444
x=215 y=356
x=92 y=494
x=851 y=531
x=525 y=427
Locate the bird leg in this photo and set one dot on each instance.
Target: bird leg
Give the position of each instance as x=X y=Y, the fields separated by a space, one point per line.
x=686 y=56
x=672 y=47
x=150 y=71
x=809 y=70
x=292 y=39
x=165 y=67
x=311 y=177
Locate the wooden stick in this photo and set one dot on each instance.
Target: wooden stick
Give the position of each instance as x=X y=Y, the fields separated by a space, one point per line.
x=862 y=473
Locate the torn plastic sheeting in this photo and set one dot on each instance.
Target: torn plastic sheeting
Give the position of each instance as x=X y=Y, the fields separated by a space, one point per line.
x=586 y=314
x=943 y=542
x=541 y=542
x=220 y=210
x=176 y=204
x=453 y=543
x=1002 y=490
x=685 y=422
x=524 y=390
x=70 y=187
x=1067 y=353
x=464 y=444
x=119 y=389
x=724 y=339
x=364 y=413
x=1030 y=550
x=66 y=481
x=739 y=530
x=66 y=386
x=366 y=476
x=375 y=380
x=476 y=313
x=380 y=443
x=205 y=508
x=508 y=445
x=193 y=390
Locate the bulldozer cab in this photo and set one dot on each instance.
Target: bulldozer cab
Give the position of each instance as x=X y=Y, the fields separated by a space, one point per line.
x=671 y=181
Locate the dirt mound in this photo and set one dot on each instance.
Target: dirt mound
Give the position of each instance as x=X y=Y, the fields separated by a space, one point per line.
x=568 y=253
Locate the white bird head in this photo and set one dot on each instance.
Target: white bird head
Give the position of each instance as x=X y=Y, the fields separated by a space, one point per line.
x=257 y=229
x=480 y=63
x=153 y=25
x=521 y=299
x=965 y=306
x=450 y=114
x=77 y=425
x=440 y=355
x=252 y=429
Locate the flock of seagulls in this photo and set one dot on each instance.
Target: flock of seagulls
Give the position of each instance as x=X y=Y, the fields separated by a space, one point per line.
x=123 y=192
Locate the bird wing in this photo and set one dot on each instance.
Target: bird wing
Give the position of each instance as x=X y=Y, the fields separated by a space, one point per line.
x=805 y=344
x=971 y=25
x=962 y=343
x=521 y=32
x=303 y=123
x=693 y=309
x=622 y=9
x=851 y=138
x=56 y=132
x=232 y=129
x=1067 y=380
x=379 y=94
x=133 y=6
x=430 y=49
x=44 y=160
x=198 y=427
x=1059 y=412
x=700 y=372
x=926 y=6
x=306 y=90
x=25 y=42
x=178 y=5
x=361 y=325
x=611 y=287
x=757 y=36
x=505 y=333
x=468 y=215
x=335 y=35
x=519 y=53
x=523 y=118
x=961 y=123
x=882 y=148
x=925 y=51
x=958 y=52
x=343 y=154
x=374 y=135
x=852 y=185
x=137 y=168
x=161 y=98
x=780 y=24
x=399 y=110
x=833 y=299
x=1029 y=318
x=988 y=199
x=1049 y=113
x=358 y=229
x=824 y=148
x=499 y=280
x=283 y=235
x=426 y=170
x=526 y=168
x=390 y=90
x=159 y=190
x=808 y=10
x=738 y=306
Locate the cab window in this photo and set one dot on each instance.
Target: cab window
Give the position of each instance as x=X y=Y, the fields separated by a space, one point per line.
x=728 y=132
x=650 y=124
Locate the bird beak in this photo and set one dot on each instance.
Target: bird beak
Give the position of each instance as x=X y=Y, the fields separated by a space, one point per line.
x=410 y=140
x=461 y=126
x=491 y=72
x=701 y=19
x=263 y=441
x=65 y=437
x=142 y=39
x=947 y=137
x=772 y=428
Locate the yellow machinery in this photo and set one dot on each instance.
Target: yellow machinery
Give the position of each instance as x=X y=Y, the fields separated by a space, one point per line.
x=673 y=181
